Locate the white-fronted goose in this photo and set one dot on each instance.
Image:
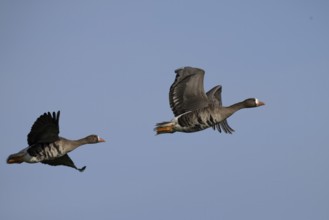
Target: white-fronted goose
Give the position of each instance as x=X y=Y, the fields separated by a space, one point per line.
x=196 y=110
x=47 y=147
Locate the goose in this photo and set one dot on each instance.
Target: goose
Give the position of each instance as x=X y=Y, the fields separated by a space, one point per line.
x=45 y=146
x=195 y=110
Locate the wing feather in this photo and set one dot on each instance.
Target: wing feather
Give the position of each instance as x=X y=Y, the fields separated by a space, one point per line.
x=64 y=160
x=215 y=97
x=187 y=92
x=45 y=129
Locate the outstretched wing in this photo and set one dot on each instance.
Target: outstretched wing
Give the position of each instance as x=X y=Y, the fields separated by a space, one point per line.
x=187 y=92
x=45 y=129
x=64 y=160
x=215 y=97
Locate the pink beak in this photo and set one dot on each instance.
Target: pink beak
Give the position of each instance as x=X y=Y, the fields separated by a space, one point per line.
x=100 y=139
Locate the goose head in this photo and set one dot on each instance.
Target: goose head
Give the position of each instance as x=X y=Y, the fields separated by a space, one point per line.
x=93 y=139
x=252 y=102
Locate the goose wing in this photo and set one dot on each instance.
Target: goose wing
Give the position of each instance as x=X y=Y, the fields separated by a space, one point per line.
x=64 y=160
x=215 y=98
x=45 y=129
x=187 y=92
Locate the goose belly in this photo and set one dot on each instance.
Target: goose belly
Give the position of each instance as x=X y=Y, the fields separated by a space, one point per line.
x=41 y=152
x=197 y=121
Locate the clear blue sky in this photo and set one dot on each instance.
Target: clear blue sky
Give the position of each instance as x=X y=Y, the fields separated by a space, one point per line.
x=108 y=66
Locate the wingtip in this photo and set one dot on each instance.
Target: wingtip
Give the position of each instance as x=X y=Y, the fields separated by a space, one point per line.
x=82 y=169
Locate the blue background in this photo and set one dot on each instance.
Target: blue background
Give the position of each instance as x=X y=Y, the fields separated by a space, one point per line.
x=108 y=66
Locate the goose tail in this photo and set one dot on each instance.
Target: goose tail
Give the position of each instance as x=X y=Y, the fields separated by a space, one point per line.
x=15 y=158
x=164 y=127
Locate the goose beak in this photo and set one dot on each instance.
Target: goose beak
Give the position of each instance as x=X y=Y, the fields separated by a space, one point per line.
x=100 y=139
x=259 y=103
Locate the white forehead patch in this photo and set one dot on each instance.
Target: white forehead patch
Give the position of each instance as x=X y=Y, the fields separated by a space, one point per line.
x=257 y=101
